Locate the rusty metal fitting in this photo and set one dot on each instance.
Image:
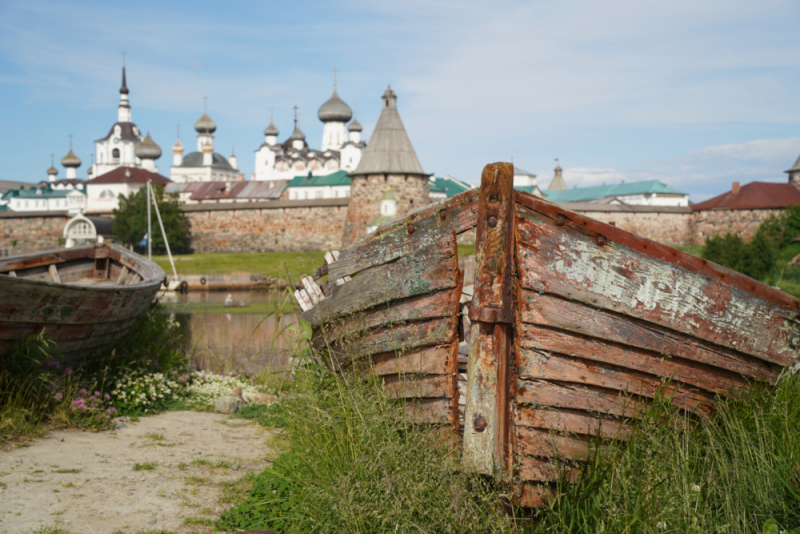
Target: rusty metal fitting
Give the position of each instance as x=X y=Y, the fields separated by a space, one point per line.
x=443 y=214
x=492 y=221
x=479 y=423
x=411 y=228
x=560 y=220
x=601 y=240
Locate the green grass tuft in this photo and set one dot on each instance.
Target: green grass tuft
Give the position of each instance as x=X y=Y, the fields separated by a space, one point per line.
x=145 y=466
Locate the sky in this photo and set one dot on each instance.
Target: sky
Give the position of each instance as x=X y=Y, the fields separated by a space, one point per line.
x=695 y=93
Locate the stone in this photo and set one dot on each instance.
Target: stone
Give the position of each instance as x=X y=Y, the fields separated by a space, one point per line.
x=228 y=404
x=237 y=393
x=235 y=467
x=263 y=398
x=153 y=522
x=121 y=425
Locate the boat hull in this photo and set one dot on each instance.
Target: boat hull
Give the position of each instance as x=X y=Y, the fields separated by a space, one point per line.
x=571 y=331
x=83 y=320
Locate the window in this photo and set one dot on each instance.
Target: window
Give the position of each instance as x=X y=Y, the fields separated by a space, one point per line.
x=107 y=193
x=318 y=194
x=115 y=155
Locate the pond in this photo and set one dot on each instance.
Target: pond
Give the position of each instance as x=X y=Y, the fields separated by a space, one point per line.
x=252 y=334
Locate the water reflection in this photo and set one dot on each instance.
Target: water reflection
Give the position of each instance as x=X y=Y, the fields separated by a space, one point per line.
x=236 y=338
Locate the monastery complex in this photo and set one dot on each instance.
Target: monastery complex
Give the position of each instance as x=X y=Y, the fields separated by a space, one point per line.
x=303 y=197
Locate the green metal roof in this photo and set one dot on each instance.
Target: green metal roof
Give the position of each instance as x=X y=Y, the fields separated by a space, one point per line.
x=46 y=192
x=309 y=180
x=380 y=219
x=597 y=192
x=448 y=185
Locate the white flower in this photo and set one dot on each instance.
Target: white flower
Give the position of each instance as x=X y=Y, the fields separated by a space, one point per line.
x=662 y=525
x=695 y=488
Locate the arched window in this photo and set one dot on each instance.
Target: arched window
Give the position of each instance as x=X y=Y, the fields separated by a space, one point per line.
x=115 y=155
x=107 y=193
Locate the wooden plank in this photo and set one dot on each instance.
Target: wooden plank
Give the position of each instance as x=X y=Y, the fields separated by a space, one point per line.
x=53 y=270
x=430 y=360
x=574 y=317
x=577 y=397
x=422 y=307
x=609 y=275
x=572 y=422
x=686 y=371
x=424 y=271
x=397 y=338
x=549 y=444
x=123 y=275
x=544 y=470
x=487 y=433
x=393 y=242
x=533 y=495
x=592 y=228
x=430 y=411
x=550 y=366
x=420 y=386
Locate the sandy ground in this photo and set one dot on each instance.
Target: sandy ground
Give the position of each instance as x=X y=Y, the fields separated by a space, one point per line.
x=86 y=483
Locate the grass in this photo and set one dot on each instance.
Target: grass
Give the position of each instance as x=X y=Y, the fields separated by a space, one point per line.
x=153 y=436
x=145 y=466
x=693 y=249
x=68 y=470
x=226 y=464
x=264 y=263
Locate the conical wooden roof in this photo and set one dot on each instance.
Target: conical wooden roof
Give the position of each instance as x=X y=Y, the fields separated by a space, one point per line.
x=389 y=150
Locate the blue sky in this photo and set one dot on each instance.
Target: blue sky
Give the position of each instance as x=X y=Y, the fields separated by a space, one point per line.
x=697 y=93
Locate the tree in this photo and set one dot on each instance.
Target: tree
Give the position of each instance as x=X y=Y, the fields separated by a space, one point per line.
x=130 y=220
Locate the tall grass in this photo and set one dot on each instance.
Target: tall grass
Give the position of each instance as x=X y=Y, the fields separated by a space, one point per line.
x=353 y=463
x=734 y=473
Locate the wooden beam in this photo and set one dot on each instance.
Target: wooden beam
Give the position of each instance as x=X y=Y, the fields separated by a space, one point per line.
x=486 y=419
x=53 y=270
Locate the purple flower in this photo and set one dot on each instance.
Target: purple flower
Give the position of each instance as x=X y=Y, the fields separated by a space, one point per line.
x=108 y=411
x=59 y=395
x=202 y=377
x=186 y=377
x=82 y=392
x=68 y=370
x=97 y=393
x=94 y=405
x=234 y=373
x=107 y=396
x=180 y=379
x=222 y=373
x=113 y=410
x=91 y=398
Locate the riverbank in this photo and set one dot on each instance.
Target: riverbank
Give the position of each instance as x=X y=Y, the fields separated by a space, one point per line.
x=173 y=472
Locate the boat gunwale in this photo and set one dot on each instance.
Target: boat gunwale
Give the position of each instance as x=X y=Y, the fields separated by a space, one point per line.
x=148 y=267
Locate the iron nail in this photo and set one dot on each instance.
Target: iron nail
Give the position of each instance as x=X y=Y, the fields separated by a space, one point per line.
x=492 y=221
x=411 y=228
x=560 y=220
x=479 y=424
x=601 y=240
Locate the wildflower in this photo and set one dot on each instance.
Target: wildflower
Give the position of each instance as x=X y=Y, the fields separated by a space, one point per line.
x=94 y=405
x=82 y=392
x=107 y=396
x=59 y=395
x=68 y=370
x=661 y=525
x=695 y=488
x=91 y=398
x=97 y=393
x=108 y=411
x=113 y=410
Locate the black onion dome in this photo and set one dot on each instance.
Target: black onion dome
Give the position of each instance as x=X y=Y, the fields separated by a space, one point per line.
x=271 y=129
x=335 y=110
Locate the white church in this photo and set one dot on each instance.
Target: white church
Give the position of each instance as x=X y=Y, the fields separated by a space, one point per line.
x=341 y=147
x=203 y=165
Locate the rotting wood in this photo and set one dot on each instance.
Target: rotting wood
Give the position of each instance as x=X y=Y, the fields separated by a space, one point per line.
x=686 y=371
x=420 y=386
x=571 y=422
x=613 y=277
x=546 y=310
x=543 y=469
x=425 y=271
x=548 y=444
x=577 y=397
x=53 y=270
x=486 y=419
x=123 y=275
x=431 y=411
x=393 y=242
x=539 y=365
x=430 y=360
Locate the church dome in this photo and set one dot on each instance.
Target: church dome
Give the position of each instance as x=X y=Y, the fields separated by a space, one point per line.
x=271 y=129
x=178 y=146
x=355 y=126
x=335 y=110
x=297 y=134
x=147 y=149
x=52 y=170
x=71 y=160
x=205 y=125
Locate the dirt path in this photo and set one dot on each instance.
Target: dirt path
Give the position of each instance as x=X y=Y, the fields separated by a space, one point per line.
x=90 y=482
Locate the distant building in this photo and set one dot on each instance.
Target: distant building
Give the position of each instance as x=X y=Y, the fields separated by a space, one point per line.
x=334 y=185
x=341 y=147
x=388 y=211
x=644 y=193
x=222 y=192
x=753 y=196
x=118 y=147
x=105 y=190
x=204 y=165
x=44 y=198
x=444 y=188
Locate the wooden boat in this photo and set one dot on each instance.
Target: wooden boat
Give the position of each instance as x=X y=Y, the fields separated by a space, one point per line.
x=574 y=326
x=85 y=298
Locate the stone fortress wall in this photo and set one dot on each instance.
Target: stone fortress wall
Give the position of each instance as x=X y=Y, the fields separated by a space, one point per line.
x=319 y=224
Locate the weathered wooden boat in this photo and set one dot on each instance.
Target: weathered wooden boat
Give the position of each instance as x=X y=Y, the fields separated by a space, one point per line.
x=85 y=298
x=573 y=327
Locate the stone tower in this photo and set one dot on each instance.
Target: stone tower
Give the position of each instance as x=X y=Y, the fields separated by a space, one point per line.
x=388 y=161
x=794 y=174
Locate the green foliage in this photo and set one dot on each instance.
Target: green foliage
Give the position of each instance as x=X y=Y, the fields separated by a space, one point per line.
x=266 y=415
x=130 y=219
x=353 y=463
x=737 y=472
x=755 y=258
